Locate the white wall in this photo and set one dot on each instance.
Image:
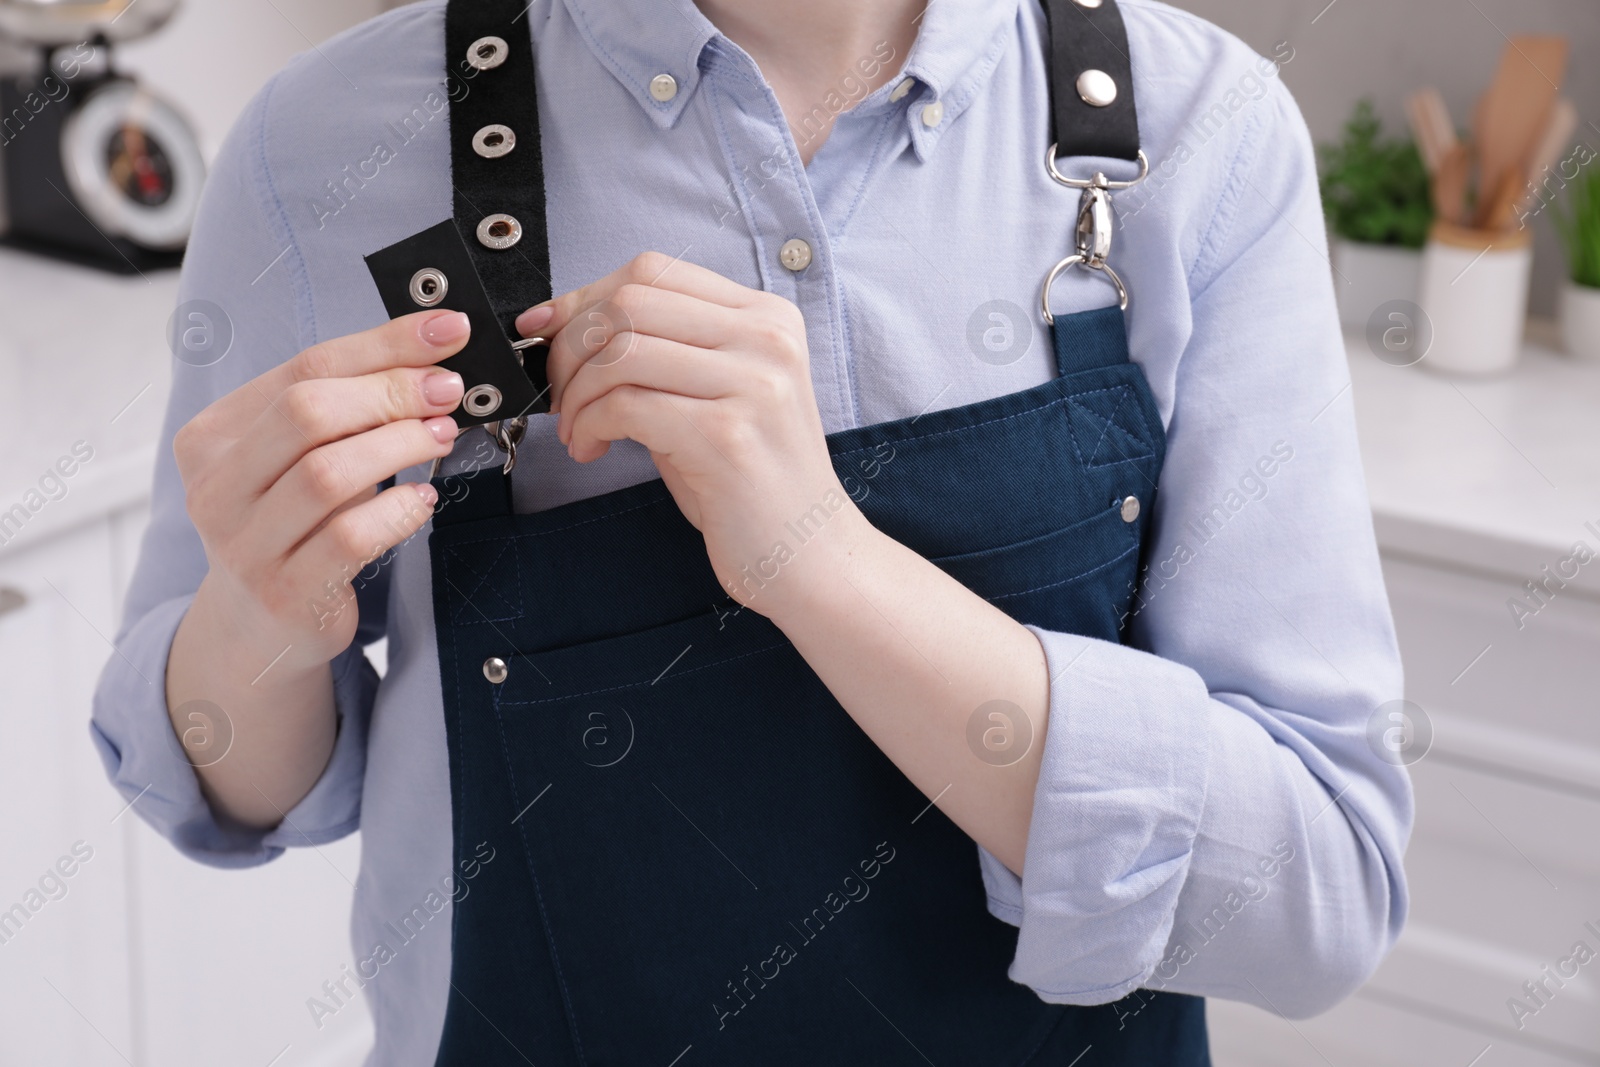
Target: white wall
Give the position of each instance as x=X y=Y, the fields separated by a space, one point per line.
x=214 y=54
x=1386 y=48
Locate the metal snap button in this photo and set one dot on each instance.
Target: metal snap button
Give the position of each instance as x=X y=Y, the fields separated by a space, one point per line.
x=795 y=254
x=428 y=287
x=499 y=231
x=481 y=400
x=1088 y=3
x=487 y=53
x=494 y=669
x=494 y=141
x=902 y=89
x=663 y=87
x=1096 y=88
x=1128 y=508
x=933 y=114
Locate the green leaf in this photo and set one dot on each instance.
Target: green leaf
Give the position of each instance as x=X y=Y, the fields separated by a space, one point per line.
x=1375 y=190
x=1579 y=227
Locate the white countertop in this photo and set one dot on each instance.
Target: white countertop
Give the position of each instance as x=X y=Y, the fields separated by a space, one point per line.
x=1496 y=474
x=83 y=357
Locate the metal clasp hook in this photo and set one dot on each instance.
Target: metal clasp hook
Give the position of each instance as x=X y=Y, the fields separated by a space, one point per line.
x=1096 y=225
x=507 y=433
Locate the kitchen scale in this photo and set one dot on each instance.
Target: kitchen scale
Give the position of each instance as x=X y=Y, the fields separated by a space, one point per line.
x=94 y=167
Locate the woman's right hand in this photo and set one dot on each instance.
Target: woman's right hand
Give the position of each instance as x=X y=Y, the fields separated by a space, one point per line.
x=280 y=477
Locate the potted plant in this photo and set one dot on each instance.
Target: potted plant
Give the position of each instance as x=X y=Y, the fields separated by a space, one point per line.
x=1375 y=192
x=1579 y=226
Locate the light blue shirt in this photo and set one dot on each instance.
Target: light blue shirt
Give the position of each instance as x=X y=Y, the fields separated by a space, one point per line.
x=1211 y=816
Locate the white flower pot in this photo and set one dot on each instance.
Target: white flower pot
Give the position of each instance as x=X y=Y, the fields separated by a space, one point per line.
x=1580 y=321
x=1474 y=290
x=1366 y=277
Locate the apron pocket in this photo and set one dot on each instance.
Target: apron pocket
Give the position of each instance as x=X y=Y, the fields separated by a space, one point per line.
x=1078 y=579
x=658 y=656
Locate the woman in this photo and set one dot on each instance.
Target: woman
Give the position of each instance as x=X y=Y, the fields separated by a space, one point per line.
x=695 y=766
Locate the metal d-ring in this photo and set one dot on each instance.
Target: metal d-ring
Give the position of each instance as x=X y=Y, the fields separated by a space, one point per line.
x=518 y=347
x=1074 y=260
x=508 y=433
x=1099 y=180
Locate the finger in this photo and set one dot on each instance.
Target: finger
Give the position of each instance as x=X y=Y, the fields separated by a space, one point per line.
x=636 y=309
x=418 y=340
x=654 y=269
x=630 y=412
x=318 y=411
x=327 y=476
x=653 y=363
x=353 y=539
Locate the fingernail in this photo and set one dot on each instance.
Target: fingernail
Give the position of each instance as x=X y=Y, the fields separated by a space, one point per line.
x=446 y=328
x=442 y=388
x=443 y=429
x=429 y=495
x=533 y=320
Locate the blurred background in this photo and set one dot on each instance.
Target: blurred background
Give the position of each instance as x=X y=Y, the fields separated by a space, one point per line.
x=1458 y=142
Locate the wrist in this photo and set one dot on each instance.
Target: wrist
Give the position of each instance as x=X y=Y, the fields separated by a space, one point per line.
x=232 y=629
x=806 y=576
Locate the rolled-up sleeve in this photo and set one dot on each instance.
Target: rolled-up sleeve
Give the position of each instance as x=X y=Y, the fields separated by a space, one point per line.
x=243 y=273
x=1211 y=817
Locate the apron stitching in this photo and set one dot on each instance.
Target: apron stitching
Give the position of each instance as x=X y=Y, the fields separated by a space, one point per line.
x=1110 y=420
x=538 y=890
x=483 y=579
x=636 y=685
x=1089 y=461
x=555 y=530
x=1076 y=577
x=1048 y=1034
x=1059 y=401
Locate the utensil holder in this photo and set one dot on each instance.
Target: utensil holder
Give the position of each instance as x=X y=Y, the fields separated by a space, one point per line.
x=1367 y=276
x=1580 y=322
x=1474 y=290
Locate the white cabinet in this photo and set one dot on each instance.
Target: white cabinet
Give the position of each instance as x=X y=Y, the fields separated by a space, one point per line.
x=64 y=961
x=138 y=957
x=224 y=960
x=1504 y=863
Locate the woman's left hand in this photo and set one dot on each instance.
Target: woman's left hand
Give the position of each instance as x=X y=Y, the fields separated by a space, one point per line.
x=714 y=379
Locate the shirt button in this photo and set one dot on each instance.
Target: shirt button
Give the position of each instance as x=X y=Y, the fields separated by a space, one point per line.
x=902 y=89
x=933 y=114
x=795 y=255
x=663 y=87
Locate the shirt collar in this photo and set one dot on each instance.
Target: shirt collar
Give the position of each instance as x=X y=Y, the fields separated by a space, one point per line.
x=640 y=40
x=959 y=43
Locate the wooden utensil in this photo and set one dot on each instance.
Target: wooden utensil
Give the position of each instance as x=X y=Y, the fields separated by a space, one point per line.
x=1499 y=211
x=1512 y=115
x=1450 y=184
x=1431 y=126
x=1556 y=140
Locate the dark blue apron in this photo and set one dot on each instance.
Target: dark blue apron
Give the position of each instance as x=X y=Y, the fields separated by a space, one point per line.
x=710 y=862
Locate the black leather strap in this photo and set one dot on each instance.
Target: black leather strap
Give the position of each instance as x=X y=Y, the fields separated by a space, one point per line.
x=515 y=278
x=1090 y=38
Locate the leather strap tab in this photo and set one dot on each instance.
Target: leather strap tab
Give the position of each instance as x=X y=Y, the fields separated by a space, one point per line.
x=1084 y=38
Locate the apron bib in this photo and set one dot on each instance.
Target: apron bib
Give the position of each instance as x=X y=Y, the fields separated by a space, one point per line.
x=707 y=861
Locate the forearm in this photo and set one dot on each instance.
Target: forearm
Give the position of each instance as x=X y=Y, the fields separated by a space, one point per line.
x=269 y=732
x=913 y=656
